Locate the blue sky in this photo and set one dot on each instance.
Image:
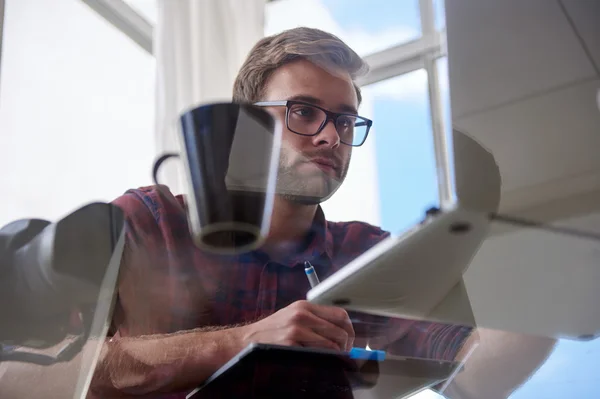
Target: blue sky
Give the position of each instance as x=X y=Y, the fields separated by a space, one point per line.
x=405 y=162
x=406 y=173
x=373 y=16
x=405 y=157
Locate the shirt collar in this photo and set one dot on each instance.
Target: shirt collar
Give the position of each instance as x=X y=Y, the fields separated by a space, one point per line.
x=320 y=237
x=318 y=245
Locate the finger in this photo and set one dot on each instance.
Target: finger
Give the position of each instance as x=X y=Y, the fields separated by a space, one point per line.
x=335 y=315
x=307 y=337
x=307 y=313
x=306 y=319
x=332 y=332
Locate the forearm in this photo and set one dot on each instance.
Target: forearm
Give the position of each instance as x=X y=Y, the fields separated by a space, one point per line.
x=155 y=364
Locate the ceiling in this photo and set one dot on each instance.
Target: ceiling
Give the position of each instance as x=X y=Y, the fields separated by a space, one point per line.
x=524 y=77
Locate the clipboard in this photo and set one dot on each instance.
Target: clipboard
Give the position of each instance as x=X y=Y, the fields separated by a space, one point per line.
x=275 y=371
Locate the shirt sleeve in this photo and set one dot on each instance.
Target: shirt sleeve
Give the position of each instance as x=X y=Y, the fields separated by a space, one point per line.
x=131 y=316
x=140 y=223
x=159 y=289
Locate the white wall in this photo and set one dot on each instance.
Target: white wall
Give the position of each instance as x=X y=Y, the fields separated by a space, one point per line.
x=76 y=110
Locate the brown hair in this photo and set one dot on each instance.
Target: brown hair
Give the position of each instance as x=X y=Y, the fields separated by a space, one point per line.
x=317 y=46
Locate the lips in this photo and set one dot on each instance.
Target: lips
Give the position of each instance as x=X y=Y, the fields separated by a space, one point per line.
x=325 y=164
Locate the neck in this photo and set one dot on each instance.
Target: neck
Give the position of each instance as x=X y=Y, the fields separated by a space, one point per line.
x=290 y=222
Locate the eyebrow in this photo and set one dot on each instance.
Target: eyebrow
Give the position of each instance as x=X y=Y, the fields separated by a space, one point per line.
x=313 y=100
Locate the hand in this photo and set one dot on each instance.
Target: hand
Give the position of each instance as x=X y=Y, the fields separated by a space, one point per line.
x=303 y=324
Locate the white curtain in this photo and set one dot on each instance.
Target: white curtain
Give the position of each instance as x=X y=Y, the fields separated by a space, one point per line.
x=199 y=47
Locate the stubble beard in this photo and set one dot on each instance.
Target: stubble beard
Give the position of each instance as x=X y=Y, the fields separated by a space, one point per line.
x=306 y=188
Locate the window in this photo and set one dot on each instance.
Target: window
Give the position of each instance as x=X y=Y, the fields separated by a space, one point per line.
x=368 y=26
x=406 y=167
x=146 y=8
x=439 y=9
x=76 y=110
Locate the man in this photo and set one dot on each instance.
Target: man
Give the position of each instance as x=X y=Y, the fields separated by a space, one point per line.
x=182 y=313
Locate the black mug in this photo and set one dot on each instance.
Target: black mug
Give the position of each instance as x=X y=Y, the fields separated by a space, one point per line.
x=231 y=156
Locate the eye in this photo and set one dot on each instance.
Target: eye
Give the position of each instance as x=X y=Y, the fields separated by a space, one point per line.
x=346 y=121
x=304 y=111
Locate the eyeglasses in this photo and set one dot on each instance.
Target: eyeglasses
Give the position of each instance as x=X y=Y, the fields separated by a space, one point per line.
x=309 y=120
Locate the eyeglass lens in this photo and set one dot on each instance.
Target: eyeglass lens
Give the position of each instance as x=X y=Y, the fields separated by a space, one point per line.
x=307 y=120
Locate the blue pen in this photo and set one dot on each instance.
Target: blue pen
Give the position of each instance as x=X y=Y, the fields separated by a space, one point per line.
x=355 y=353
x=311 y=274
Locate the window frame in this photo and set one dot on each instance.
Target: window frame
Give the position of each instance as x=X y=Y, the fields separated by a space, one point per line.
x=421 y=53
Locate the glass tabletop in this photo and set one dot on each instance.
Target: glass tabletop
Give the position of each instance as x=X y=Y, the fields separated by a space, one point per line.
x=533 y=279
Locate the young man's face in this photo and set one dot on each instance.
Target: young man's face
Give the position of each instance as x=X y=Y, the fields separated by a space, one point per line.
x=311 y=168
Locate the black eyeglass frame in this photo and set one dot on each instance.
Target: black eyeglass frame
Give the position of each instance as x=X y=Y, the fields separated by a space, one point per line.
x=329 y=115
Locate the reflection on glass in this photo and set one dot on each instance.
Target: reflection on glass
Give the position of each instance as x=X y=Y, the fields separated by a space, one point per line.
x=367 y=26
x=571 y=368
x=552 y=276
x=57 y=284
x=571 y=371
x=391 y=182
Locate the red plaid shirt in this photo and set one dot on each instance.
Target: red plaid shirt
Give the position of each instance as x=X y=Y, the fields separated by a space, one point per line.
x=167 y=284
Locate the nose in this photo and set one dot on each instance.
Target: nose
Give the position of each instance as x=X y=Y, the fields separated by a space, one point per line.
x=328 y=137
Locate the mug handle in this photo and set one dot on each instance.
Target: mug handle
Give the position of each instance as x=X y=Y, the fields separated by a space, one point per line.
x=159 y=162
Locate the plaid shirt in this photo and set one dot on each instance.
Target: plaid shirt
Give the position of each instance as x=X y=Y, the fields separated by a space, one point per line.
x=167 y=284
